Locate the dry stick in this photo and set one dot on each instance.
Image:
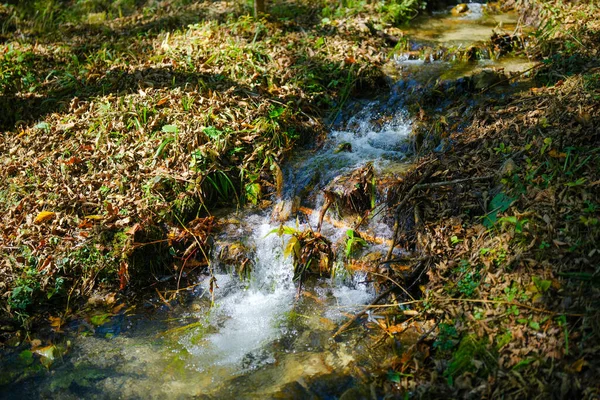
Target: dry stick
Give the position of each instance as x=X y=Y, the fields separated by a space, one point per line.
x=394 y=282
x=163 y=299
x=363 y=312
x=425 y=186
x=486 y=301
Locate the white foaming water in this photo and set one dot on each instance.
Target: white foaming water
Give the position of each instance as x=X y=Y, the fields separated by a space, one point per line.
x=347 y=297
x=371 y=140
x=248 y=316
x=475 y=11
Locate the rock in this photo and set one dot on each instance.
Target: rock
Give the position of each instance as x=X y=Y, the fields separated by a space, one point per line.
x=460 y=9
x=344 y=147
x=330 y=385
x=292 y=391
x=352 y=192
x=284 y=209
x=356 y=393
x=486 y=79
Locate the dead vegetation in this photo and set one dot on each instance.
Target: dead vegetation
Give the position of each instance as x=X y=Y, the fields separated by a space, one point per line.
x=507 y=221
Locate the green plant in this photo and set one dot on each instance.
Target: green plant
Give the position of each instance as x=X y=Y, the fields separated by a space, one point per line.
x=401 y=11
x=469 y=278
x=353 y=242
x=503 y=149
x=499 y=204
x=447 y=337
x=472 y=355
x=24 y=290
x=311 y=252
x=512 y=220
x=455 y=240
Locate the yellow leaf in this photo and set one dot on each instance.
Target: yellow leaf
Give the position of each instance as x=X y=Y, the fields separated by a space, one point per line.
x=118 y=308
x=555 y=154
x=578 y=365
x=56 y=323
x=293 y=245
x=96 y=217
x=44 y=216
x=395 y=329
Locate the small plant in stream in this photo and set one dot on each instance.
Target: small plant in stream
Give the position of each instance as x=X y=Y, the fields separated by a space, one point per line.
x=353 y=242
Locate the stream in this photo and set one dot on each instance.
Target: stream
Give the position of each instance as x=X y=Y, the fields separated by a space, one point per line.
x=259 y=336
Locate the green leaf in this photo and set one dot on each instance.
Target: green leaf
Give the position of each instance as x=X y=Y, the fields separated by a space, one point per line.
x=393 y=376
x=26 y=357
x=284 y=230
x=276 y=112
x=100 y=319
x=500 y=203
x=523 y=363
x=253 y=192
x=163 y=146
x=504 y=339
x=170 y=129
x=213 y=133
x=541 y=285
x=43 y=125
x=534 y=325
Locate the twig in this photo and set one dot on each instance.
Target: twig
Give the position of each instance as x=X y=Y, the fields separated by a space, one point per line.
x=361 y=313
x=502 y=302
x=163 y=298
x=395 y=283
x=510 y=303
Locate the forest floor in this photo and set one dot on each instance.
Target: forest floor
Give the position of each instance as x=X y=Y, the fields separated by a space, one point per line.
x=121 y=131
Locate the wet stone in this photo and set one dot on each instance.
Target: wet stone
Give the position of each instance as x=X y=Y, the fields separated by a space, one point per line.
x=330 y=385
x=356 y=393
x=294 y=391
x=486 y=79
x=460 y=9
x=353 y=192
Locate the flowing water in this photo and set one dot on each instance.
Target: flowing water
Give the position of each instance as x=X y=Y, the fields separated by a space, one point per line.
x=257 y=337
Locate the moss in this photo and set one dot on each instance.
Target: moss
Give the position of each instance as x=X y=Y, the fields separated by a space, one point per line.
x=82 y=376
x=185 y=208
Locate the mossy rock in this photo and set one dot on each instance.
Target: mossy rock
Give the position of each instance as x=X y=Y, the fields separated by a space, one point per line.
x=185 y=208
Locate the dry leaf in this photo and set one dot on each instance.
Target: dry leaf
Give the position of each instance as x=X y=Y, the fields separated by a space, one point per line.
x=56 y=323
x=44 y=216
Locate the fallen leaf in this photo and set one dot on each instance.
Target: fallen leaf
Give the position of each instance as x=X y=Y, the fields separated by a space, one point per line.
x=56 y=323
x=94 y=217
x=578 y=365
x=44 y=216
x=118 y=308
